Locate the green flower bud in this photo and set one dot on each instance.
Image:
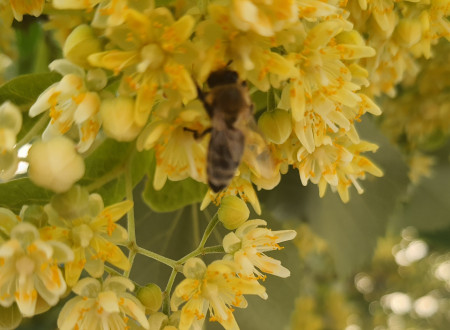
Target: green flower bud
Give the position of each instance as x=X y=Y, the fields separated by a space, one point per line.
x=10 y=117
x=276 y=125
x=72 y=204
x=233 y=212
x=8 y=164
x=55 y=164
x=151 y=297
x=35 y=215
x=118 y=118
x=81 y=43
x=194 y=268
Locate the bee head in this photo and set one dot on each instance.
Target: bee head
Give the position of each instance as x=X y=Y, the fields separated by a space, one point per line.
x=222 y=77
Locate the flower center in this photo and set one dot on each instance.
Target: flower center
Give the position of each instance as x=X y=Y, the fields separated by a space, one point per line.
x=25 y=265
x=152 y=58
x=82 y=235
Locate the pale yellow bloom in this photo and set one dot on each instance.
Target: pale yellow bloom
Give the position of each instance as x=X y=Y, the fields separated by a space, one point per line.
x=160 y=321
x=263 y=17
x=246 y=246
x=102 y=306
x=217 y=288
x=155 y=54
x=178 y=154
x=232 y=212
x=73 y=100
x=337 y=164
x=324 y=97
x=83 y=223
x=30 y=7
x=220 y=42
x=29 y=269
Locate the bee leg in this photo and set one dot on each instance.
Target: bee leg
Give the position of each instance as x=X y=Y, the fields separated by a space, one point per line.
x=202 y=97
x=198 y=135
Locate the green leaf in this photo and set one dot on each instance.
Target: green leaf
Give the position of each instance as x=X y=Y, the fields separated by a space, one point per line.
x=24 y=90
x=16 y=193
x=10 y=317
x=428 y=208
x=106 y=166
x=174 y=194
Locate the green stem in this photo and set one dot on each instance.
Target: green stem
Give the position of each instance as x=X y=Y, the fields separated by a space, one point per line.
x=110 y=176
x=131 y=257
x=201 y=251
x=166 y=304
x=271 y=100
x=155 y=256
x=37 y=128
x=130 y=214
x=112 y=271
x=211 y=225
x=196 y=229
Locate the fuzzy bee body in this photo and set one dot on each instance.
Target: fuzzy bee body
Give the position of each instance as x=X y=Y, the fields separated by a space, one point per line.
x=230 y=108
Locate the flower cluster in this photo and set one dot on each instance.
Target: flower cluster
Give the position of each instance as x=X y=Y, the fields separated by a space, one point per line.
x=221 y=285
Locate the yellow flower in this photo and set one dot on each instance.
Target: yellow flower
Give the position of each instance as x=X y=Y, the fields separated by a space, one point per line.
x=324 y=97
x=246 y=246
x=178 y=154
x=81 y=221
x=263 y=17
x=217 y=288
x=30 y=7
x=105 y=305
x=70 y=101
x=29 y=269
x=337 y=164
x=154 y=55
x=220 y=42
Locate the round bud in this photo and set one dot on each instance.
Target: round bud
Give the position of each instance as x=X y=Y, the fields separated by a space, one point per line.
x=55 y=164
x=118 y=118
x=151 y=297
x=80 y=44
x=9 y=163
x=233 y=212
x=276 y=125
x=194 y=268
x=10 y=117
x=35 y=215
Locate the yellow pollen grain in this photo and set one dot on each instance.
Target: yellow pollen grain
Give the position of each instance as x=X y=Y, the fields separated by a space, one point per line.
x=79 y=98
x=89 y=130
x=100 y=310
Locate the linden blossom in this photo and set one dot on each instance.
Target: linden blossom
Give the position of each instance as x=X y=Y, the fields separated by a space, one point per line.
x=29 y=268
x=217 y=288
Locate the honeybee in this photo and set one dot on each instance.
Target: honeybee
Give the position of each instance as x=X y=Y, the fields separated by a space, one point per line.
x=230 y=108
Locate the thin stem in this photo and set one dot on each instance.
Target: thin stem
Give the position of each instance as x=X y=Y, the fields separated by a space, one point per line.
x=166 y=304
x=131 y=257
x=130 y=214
x=211 y=225
x=155 y=256
x=201 y=251
x=109 y=176
x=196 y=228
x=216 y=234
x=37 y=127
x=271 y=100
x=112 y=271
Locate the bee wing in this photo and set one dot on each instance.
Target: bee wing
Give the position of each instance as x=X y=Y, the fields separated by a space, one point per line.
x=257 y=154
